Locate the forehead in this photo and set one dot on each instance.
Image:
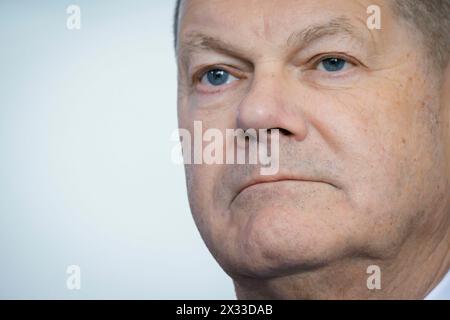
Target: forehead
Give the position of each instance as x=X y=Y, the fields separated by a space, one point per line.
x=271 y=20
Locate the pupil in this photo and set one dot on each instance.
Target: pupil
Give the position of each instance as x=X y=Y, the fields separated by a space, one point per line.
x=217 y=77
x=333 y=64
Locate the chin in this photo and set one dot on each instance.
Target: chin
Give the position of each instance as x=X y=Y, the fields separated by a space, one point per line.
x=272 y=244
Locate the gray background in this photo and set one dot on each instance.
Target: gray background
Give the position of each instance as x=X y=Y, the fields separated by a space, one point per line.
x=86 y=176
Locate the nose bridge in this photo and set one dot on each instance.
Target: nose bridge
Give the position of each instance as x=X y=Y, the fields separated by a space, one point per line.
x=264 y=98
x=268 y=74
x=269 y=102
x=269 y=78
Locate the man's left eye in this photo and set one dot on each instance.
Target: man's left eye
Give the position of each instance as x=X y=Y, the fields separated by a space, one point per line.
x=217 y=77
x=333 y=64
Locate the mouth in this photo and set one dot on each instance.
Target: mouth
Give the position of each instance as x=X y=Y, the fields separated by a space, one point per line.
x=274 y=179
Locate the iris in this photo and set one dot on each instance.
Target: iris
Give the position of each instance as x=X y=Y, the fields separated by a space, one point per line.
x=217 y=77
x=333 y=64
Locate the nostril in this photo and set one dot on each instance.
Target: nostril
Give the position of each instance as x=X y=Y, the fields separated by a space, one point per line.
x=283 y=131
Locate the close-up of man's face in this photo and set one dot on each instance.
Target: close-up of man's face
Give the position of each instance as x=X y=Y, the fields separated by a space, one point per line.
x=201 y=152
x=364 y=144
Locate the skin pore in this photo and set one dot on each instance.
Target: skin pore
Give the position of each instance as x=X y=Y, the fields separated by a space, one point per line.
x=364 y=147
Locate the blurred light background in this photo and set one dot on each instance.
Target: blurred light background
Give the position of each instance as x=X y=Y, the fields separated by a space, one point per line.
x=86 y=176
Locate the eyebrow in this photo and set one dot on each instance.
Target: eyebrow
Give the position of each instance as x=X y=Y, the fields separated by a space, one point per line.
x=198 y=41
x=336 y=26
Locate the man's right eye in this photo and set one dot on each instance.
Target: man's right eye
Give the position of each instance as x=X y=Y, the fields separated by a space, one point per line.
x=217 y=77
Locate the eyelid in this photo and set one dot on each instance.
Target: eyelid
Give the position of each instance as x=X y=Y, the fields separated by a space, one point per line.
x=202 y=70
x=317 y=59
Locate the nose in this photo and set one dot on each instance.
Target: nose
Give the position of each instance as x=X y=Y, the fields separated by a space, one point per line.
x=270 y=104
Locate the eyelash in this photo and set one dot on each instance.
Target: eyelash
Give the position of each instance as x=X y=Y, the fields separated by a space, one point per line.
x=198 y=75
x=317 y=59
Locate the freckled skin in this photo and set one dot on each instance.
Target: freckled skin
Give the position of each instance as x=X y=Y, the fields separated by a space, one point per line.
x=376 y=143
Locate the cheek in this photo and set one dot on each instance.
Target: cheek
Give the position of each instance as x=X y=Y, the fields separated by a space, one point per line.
x=204 y=179
x=199 y=181
x=368 y=130
x=391 y=158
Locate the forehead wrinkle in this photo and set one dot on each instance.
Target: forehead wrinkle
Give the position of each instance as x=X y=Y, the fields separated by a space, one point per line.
x=197 y=41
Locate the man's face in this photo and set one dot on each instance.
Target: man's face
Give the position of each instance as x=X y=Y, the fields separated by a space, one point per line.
x=363 y=157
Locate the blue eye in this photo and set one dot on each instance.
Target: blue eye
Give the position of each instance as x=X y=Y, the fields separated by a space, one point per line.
x=217 y=77
x=333 y=64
